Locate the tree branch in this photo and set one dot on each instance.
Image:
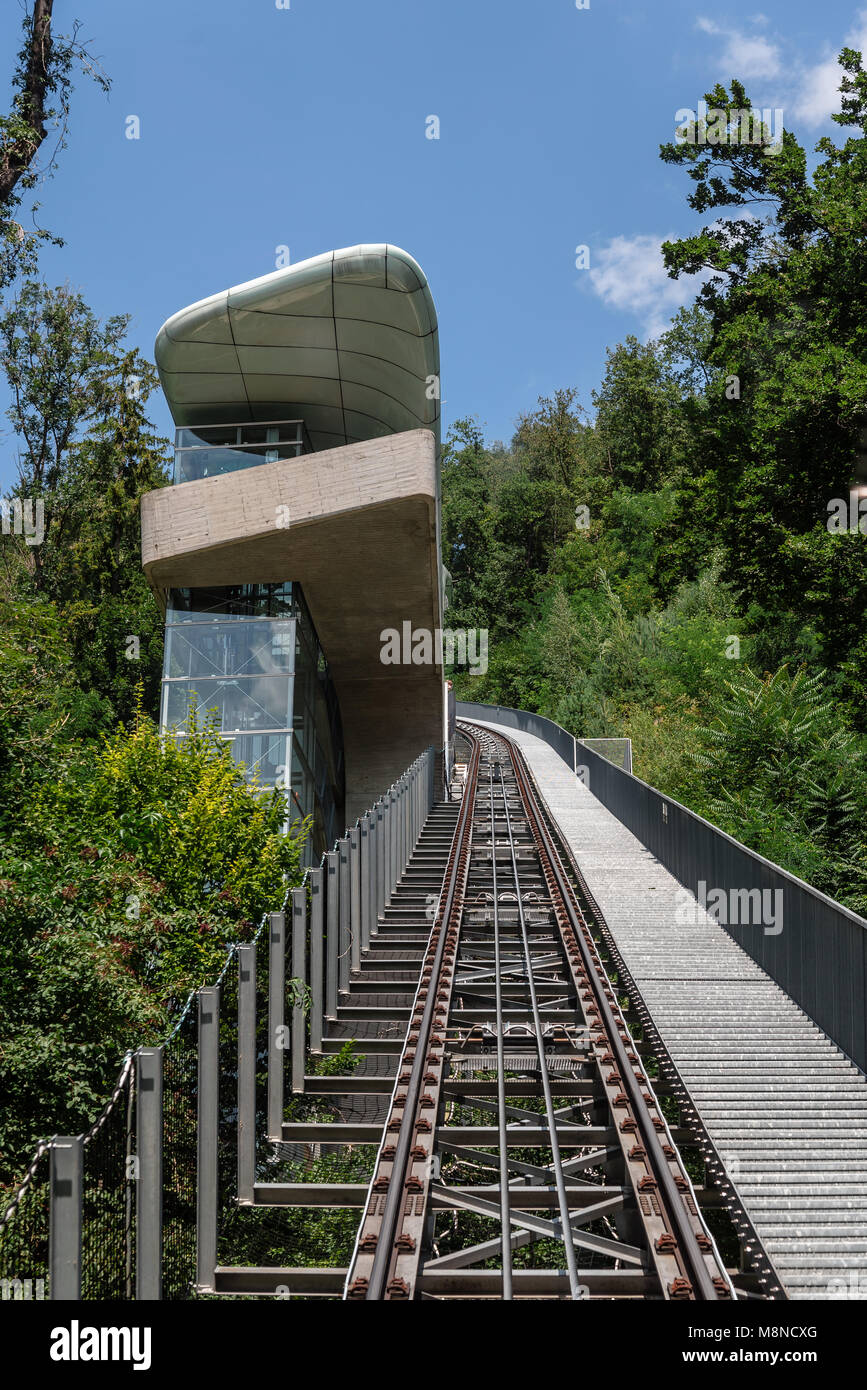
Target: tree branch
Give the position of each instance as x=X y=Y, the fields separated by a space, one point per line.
x=21 y=147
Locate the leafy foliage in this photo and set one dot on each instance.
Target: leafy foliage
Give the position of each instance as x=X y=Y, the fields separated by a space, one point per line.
x=88 y=455
x=123 y=877
x=699 y=602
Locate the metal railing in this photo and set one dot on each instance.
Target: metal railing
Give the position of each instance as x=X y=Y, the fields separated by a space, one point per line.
x=819 y=953
x=139 y=1206
x=270 y=1011
x=286 y=439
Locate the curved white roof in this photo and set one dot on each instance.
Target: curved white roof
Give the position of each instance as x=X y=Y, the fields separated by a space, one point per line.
x=346 y=342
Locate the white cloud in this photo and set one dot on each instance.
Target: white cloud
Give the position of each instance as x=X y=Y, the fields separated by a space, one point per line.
x=811 y=91
x=818 y=91
x=629 y=275
x=743 y=56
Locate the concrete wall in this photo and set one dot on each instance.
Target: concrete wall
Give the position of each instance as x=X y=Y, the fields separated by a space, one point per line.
x=361 y=540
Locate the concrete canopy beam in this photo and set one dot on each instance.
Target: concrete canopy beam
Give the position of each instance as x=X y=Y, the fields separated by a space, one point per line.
x=356 y=527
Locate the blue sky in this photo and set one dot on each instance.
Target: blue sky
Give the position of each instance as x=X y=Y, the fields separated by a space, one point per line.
x=305 y=126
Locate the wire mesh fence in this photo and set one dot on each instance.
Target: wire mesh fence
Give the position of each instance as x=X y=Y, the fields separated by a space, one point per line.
x=110 y=1170
x=274 y=1236
x=180 y=1095
x=108 y=1196
x=227 y=1142
x=24 y=1268
x=248 y=1236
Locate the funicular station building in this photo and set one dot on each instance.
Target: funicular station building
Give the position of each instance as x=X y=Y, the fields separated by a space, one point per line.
x=303 y=522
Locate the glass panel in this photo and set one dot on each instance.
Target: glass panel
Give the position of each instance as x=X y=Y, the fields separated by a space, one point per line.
x=231 y=601
x=232 y=650
x=263 y=703
x=264 y=755
x=210 y=450
x=223 y=649
x=206 y=434
x=256 y=434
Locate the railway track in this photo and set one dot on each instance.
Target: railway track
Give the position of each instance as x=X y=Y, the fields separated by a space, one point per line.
x=524 y=1151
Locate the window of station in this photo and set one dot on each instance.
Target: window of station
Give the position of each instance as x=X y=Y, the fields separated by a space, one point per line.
x=249 y=655
x=204 y=451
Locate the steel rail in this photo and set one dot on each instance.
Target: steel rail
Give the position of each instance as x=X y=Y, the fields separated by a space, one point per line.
x=390 y=1226
x=557 y=1164
x=402 y=1198
x=505 y=1218
x=688 y=1247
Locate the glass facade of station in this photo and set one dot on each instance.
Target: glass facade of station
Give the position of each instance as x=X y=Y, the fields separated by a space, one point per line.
x=250 y=652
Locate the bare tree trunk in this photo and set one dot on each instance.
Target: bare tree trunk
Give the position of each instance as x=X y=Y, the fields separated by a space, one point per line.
x=17 y=155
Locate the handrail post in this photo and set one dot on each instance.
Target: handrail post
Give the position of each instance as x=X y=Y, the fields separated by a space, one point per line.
x=276 y=1030
x=364 y=832
x=355 y=896
x=208 y=1124
x=66 y=1181
x=246 y=1073
x=344 y=905
x=392 y=841
x=386 y=850
x=373 y=903
x=332 y=944
x=380 y=856
x=317 y=1002
x=299 y=975
x=149 y=1185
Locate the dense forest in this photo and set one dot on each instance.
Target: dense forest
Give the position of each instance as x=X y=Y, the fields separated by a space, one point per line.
x=657 y=563
x=678 y=568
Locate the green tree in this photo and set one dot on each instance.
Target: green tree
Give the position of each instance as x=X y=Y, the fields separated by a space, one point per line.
x=780 y=772
x=640 y=428
x=89 y=454
x=124 y=874
x=787 y=296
